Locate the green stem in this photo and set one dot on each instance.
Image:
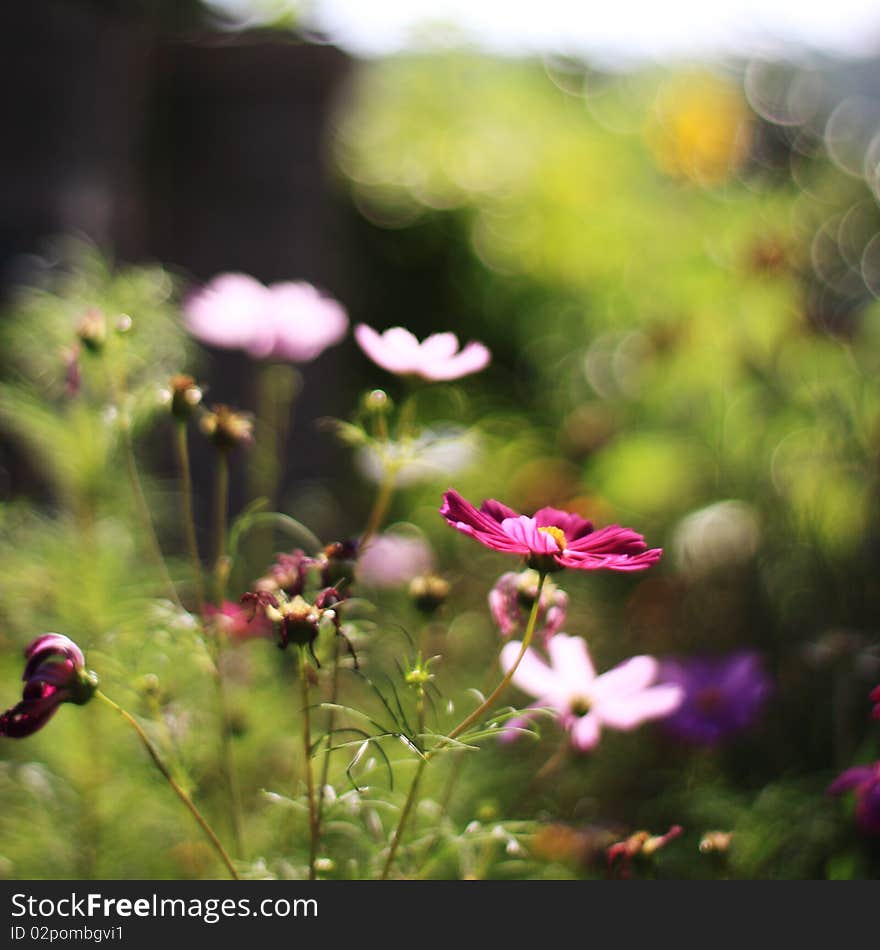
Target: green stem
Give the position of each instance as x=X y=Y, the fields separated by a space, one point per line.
x=462 y=726
x=307 y=751
x=221 y=509
x=411 y=795
x=181 y=794
x=189 y=521
x=331 y=722
x=490 y=701
x=143 y=508
x=380 y=508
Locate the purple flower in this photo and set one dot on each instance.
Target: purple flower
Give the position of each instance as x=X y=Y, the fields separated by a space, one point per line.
x=286 y=321
x=864 y=780
x=552 y=539
x=511 y=600
x=722 y=695
x=437 y=357
x=54 y=674
x=622 y=698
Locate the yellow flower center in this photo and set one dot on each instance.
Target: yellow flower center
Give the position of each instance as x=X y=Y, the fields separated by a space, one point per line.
x=580 y=706
x=557 y=534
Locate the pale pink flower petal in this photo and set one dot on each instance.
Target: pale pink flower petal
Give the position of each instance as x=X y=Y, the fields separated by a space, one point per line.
x=571 y=660
x=436 y=358
x=532 y=675
x=627 y=712
x=631 y=676
x=525 y=532
x=227 y=311
x=585 y=732
x=305 y=321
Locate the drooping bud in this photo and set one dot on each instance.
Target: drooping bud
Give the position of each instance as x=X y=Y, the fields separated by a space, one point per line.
x=55 y=673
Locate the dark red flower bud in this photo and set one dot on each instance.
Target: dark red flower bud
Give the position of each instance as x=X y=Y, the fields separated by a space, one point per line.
x=55 y=673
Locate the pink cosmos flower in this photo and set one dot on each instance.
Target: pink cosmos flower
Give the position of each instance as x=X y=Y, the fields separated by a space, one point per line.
x=875 y=698
x=622 y=698
x=55 y=673
x=437 y=357
x=552 y=539
x=286 y=321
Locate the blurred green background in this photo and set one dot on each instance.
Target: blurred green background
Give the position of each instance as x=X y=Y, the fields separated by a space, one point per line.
x=676 y=269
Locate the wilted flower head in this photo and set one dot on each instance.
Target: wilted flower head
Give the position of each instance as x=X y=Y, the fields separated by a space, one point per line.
x=55 y=673
x=337 y=562
x=552 y=539
x=289 y=573
x=285 y=321
x=722 y=695
x=623 y=698
x=227 y=427
x=296 y=620
x=511 y=600
x=864 y=780
x=437 y=357
x=393 y=559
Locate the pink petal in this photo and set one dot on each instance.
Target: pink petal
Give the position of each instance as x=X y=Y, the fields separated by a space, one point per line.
x=497 y=511
x=627 y=712
x=396 y=350
x=462 y=515
x=850 y=779
x=438 y=346
x=571 y=662
x=524 y=532
x=585 y=732
x=629 y=677
x=305 y=321
x=532 y=675
x=572 y=525
x=228 y=311
x=472 y=359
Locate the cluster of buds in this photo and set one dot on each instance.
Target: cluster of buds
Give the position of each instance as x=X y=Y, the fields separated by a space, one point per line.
x=641 y=844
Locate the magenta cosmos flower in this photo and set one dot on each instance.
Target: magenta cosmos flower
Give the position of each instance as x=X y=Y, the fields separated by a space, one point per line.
x=55 y=673
x=290 y=321
x=864 y=780
x=622 y=698
x=552 y=539
x=437 y=357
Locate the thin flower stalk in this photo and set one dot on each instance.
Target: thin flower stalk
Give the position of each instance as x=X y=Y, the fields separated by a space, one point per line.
x=468 y=721
x=166 y=773
x=189 y=521
x=307 y=754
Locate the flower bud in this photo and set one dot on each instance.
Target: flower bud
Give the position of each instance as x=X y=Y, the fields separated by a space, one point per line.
x=185 y=396
x=428 y=592
x=92 y=330
x=227 y=428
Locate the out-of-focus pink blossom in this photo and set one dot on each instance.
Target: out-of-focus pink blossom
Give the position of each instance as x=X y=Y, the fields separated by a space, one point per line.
x=290 y=321
x=875 y=698
x=864 y=780
x=623 y=698
x=237 y=622
x=393 y=559
x=552 y=539
x=437 y=357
